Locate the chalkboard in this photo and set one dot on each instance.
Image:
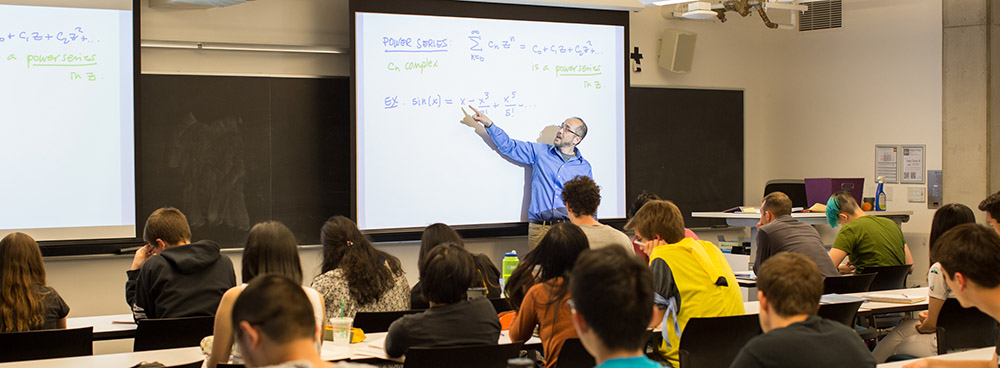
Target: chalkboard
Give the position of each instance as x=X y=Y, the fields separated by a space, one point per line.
x=234 y=151
x=686 y=145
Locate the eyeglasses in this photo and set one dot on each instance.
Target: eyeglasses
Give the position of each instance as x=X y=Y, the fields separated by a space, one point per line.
x=566 y=128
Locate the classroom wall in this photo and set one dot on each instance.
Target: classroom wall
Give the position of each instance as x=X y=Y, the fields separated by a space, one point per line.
x=740 y=54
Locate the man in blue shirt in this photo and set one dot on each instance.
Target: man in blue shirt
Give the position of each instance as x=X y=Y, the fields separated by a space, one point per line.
x=552 y=165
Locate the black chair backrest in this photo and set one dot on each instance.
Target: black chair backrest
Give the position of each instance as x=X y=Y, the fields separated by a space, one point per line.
x=795 y=189
x=573 y=355
x=46 y=344
x=168 y=333
x=379 y=321
x=486 y=356
x=501 y=304
x=888 y=277
x=715 y=341
x=227 y=365
x=840 y=312
x=963 y=328
x=197 y=364
x=848 y=284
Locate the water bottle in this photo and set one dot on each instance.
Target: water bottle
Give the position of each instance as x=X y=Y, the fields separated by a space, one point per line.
x=510 y=262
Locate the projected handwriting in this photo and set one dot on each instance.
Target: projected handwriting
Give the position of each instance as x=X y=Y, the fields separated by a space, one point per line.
x=508 y=104
x=409 y=44
x=578 y=70
x=413 y=65
x=512 y=44
x=66 y=36
x=61 y=60
x=86 y=77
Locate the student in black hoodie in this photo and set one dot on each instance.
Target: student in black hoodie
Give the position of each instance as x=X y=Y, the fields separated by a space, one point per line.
x=172 y=277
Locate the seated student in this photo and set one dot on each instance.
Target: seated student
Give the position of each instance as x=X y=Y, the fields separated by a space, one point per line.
x=487 y=274
x=171 y=276
x=357 y=277
x=918 y=337
x=779 y=232
x=582 y=196
x=275 y=325
x=692 y=278
x=639 y=202
x=789 y=287
x=611 y=282
x=26 y=302
x=447 y=271
x=869 y=240
x=539 y=287
x=969 y=255
x=270 y=249
x=991 y=205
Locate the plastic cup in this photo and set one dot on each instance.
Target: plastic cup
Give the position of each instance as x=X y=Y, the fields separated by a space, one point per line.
x=340 y=330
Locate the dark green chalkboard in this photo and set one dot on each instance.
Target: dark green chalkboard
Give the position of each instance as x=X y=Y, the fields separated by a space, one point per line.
x=686 y=145
x=234 y=151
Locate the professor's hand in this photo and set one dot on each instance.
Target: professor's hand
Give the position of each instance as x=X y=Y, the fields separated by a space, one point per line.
x=480 y=117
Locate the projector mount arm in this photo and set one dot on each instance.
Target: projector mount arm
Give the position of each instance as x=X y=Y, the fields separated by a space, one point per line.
x=743 y=7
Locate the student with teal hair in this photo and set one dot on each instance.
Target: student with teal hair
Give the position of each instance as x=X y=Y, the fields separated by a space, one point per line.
x=867 y=239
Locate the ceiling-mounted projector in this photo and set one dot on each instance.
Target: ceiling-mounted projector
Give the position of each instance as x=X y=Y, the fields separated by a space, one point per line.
x=193 y=4
x=700 y=10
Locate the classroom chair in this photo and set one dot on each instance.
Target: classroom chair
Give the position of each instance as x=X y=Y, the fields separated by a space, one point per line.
x=167 y=333
x=486 y=356
x=574 y=355
x=714 y=342
x=379 y=321
x=197 y=364
x=795 y=189
x=840 y=312
x=46 y=344
x=963 y=328
x=501 y=304
x=888 y=277
x=848 y=284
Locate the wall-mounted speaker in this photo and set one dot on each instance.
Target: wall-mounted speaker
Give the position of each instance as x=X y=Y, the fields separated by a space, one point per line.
x=677 y=50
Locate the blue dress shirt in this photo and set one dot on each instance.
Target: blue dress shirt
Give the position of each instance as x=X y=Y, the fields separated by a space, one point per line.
x=548 y=173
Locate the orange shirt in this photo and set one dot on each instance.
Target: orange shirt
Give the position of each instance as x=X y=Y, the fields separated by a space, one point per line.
x=553 y=319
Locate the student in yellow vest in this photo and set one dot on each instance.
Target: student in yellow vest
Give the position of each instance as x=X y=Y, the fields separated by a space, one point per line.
x=692 y=278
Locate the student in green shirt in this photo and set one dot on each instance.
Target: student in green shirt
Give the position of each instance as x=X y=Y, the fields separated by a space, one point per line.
x=869 y=240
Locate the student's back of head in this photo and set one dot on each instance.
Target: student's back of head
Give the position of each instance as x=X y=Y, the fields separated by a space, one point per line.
x=792 y=284
x=839 y=206
x=437 y=234
x=777 y=203
x=613 y=291
x=345 y=247
x=21 y=271
x=446 y=272
x=554 y=257
x=167 y=224
x=658 y=218
x=271 y=312
x=971 y=250
x=582 y=196
x=947 y=217
x=271 y=248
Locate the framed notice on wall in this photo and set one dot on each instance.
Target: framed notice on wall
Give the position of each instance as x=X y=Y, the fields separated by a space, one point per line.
x=886 y=162
x=911 y=157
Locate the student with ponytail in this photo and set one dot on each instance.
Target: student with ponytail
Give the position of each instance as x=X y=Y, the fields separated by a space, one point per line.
x=26 y=302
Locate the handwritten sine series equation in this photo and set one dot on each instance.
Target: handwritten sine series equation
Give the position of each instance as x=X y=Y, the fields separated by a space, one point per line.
x=479 y=46
x=65 y=36
x=508 y=104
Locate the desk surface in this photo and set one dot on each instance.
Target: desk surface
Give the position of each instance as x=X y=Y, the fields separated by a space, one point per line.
x=798 y=215
x=977 y=354
x=113 y=326
x=167 y=356
x=868 y=307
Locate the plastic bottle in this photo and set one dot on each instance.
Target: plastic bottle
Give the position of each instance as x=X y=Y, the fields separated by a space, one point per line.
x=510 y=262
x=880 y=194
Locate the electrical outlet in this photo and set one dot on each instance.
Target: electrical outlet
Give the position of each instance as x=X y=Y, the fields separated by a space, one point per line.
x=915 y=194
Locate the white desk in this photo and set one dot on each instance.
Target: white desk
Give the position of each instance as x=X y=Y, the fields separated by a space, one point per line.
x=813 y=218
x=868 y=307
x=167 y=357
x=977 y=354
x=109 y=327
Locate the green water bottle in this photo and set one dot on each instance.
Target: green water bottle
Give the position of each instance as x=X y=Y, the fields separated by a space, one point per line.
x=510 y=262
